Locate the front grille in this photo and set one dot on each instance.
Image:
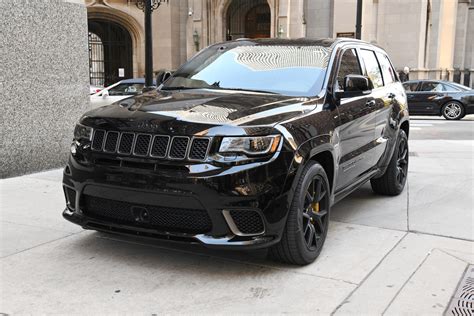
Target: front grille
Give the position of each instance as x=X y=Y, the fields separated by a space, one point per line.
x=199 y=149
x=148 y=145
x=248 y=222
x=192 y=221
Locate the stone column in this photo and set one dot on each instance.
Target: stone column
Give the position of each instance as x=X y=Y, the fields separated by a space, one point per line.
x=44 y=82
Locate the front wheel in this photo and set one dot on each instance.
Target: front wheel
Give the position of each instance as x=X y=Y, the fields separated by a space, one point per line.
x=393 y=180
x=308 y=218
x=453 y=111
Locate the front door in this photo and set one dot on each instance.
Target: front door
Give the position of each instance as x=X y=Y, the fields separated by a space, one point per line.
x=357 y=126
x=424 y=101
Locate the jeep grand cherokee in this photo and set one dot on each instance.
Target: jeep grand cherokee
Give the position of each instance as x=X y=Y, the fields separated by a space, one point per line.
x=247 y=145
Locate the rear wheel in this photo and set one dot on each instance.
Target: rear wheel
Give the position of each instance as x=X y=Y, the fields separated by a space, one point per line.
x=453 y=111
x=393 y=180
x=307 y=224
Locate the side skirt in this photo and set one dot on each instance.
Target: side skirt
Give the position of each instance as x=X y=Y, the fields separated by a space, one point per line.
x=342 y=193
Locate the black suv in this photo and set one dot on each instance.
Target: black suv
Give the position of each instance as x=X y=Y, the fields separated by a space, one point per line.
x=247 y=145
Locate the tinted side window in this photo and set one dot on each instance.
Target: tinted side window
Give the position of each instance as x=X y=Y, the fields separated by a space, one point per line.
x=372 y=67
x=387 y=70
x=349 y=66
x=410 y=86
x=432 y=87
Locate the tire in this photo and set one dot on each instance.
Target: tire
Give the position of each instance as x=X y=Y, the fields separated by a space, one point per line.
x=453 y=110
x=393 y=180
x=308 y=218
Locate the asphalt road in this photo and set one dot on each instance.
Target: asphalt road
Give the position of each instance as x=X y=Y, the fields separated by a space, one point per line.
x=383 y=255
x=433 y=127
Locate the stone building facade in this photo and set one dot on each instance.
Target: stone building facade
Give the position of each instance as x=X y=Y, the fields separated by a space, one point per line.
x=434 y=38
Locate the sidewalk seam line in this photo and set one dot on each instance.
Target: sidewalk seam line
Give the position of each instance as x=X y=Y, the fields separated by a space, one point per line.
x=406 y=281
x=408 y=205
x=39 y=245
x=455 y=290
x=375 y=227
x=42 y=227
x=345 y=300
x=451 y=255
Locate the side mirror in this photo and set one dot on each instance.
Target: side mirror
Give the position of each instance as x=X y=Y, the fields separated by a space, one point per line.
x=105 y=93
x=355 y=86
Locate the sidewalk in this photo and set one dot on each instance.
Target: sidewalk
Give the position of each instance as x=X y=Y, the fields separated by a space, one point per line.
x=401 y=255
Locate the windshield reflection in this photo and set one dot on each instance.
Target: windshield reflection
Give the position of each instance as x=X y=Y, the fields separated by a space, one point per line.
x=286 y=70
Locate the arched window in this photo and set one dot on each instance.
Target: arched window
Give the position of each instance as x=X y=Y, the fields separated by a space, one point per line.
x=248 y=18
x=96 y=60
x=113 y=55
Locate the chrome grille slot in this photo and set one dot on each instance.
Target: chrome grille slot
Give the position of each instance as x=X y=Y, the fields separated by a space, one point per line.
x=199 y=148
x=98 y=140
x=179 y=147
x=111 y=142
x=126 y=143
x=142 y=144
x=159 y=146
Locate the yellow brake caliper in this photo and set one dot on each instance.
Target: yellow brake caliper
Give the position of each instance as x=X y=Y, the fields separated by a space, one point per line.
x=315 y=207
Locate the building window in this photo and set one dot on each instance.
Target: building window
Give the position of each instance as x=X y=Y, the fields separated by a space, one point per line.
x=96 y=60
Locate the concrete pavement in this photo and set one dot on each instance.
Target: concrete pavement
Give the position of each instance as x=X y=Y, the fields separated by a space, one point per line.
x=383 y=255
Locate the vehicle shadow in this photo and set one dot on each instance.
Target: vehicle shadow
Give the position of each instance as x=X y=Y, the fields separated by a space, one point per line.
x=361 y=207
x=137 y=251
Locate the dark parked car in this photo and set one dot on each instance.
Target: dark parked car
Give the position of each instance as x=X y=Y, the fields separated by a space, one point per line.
x=435 y=97
x=247 y=145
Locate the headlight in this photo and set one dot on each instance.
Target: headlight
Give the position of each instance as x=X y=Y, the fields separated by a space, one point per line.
x=82 y=132
x=250 y=145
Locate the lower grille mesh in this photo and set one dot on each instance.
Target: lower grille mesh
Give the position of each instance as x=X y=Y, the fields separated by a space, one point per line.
x=191 y=221
x=248 y=222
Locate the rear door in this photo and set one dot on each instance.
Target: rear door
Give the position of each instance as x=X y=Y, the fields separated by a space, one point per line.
x=391 y=90
x=357 y=124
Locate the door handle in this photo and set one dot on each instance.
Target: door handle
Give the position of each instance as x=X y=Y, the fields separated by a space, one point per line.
x=370 y=103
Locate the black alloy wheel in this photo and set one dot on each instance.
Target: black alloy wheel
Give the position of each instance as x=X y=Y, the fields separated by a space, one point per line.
x=315 y=214
x=394 y=179
x=308 y=218
x=402 y=161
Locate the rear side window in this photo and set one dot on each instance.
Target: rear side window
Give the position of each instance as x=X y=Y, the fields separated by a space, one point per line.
x=349 y=66
x=372 y=67
x=387 y=70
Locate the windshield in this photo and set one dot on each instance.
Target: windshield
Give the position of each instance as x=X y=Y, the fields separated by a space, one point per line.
x=286 y=70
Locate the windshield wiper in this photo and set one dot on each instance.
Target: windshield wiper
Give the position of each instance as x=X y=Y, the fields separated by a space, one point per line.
x=241 y=89
x=179 y=88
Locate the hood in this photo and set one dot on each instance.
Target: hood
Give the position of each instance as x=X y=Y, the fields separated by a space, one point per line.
x=191 y=112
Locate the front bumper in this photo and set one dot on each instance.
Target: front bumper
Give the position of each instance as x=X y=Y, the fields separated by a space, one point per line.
x=262 y=188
